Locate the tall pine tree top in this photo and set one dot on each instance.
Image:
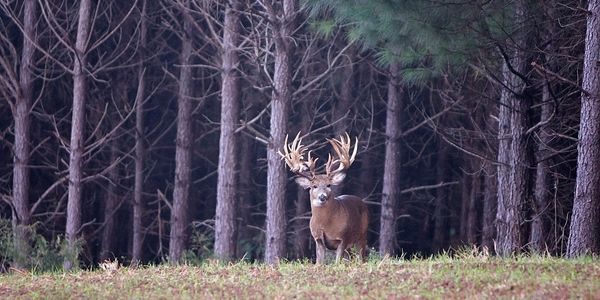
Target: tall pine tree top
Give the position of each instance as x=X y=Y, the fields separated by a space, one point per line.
x=426 y=37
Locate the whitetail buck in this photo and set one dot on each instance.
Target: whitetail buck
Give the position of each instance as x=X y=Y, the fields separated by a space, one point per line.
x=337 y=222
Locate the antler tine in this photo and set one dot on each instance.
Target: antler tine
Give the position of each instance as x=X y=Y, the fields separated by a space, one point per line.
x=285 y=147
x=347 y=144
x=353 y=156
x=296 y=143
x=329 y=164
x=285 y=150
x=311 y=164
x=294 y=157
x=342 y=150
x=291 y=153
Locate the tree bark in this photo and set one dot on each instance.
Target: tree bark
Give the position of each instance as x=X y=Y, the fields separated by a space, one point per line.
x=21 y=218
x=225 y=229
x=489 y=206
x=504 y=169
x=514 y=155
x=245 y=203
x=111 y=200
x=343 y=104
x=473 y=215
x=465 y=197
x=77 y=135
x=440 y=210
x=276 y=173
x=540 y=225
x=301 y=225
x=365 y=187
x=391 y=172
x=112 y=196
x=585 y=221
x=183 y=150
x=138 y=186
x=367 y=179
x=340 y=115
x=542 y=194
x=301 y=232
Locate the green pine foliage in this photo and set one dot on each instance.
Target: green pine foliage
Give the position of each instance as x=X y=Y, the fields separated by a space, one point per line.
x=325 y=28
x=425 y=37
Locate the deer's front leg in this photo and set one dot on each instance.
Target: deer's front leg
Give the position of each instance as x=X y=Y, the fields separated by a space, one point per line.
x=340 y=251
x=320 y=251
x=363 y=250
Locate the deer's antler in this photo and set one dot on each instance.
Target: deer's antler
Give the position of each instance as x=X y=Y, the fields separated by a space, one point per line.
x=294 y=157
x=343 y=158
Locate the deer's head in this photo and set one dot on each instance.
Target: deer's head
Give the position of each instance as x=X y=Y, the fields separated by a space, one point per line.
x=305 y=168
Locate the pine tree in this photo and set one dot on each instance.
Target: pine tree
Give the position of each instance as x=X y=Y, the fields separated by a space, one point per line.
x=584 y=238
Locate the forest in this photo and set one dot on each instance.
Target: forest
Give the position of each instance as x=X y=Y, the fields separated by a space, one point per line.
x=150 y=131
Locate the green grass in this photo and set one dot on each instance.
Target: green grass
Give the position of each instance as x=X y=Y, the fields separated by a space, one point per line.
x=444 y=277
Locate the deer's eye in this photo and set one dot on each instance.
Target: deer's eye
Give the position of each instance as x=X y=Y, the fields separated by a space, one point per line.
x=314 y=186
x=329 y=185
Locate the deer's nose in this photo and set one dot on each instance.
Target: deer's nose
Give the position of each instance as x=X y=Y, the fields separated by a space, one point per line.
x=322 y=197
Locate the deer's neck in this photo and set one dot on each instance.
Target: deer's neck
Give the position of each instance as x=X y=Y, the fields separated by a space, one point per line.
x=324 y=212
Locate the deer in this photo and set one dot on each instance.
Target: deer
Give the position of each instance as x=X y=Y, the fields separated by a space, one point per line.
x=337 y=222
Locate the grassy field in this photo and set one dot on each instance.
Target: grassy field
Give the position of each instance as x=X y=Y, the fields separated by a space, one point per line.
x=441 y=277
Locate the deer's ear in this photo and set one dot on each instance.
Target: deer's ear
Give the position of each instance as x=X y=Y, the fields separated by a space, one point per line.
x=338 y=178
x=303 y=182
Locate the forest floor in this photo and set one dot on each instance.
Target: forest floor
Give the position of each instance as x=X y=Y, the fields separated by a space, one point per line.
x=479 y=277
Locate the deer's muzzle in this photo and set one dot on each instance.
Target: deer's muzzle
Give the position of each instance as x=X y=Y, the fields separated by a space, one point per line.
x=322 y=197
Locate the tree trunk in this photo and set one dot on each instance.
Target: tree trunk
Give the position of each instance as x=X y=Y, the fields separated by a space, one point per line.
x=112 y=200
x=225 y=244
x=340 y=115
x=473 y=215
x=341 y=108
x=504 y=170
x=367 y=181
x=245 y=203
x=21 y=218
x=277 y=176
x=112 y=196
x=514 y=178
x=183 y=150
x=301 y=225
x=366 y=177
x=440 y=210
x=540 y=225
x=489 y=207
x=77 y=136
x=585 y=221
x=542 y=195
x=521 y=159
x=391 y=172
x=465 y=197
x=301 y=232
x=138 y=186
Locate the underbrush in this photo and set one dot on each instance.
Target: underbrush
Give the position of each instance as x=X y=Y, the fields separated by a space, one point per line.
x=42 y=255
